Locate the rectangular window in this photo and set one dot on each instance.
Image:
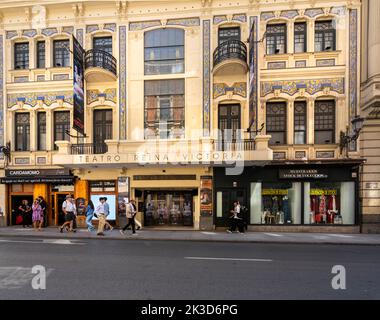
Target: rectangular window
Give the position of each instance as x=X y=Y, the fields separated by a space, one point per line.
x=41 y=124
x=61 y=53
x=324 y=122
x=102 y=43
x=22 y=132
x=225 y=34
x=276 y=122
x=21 y=55
x=164 y=51
x=276 y=38
x=325 y=36
x=61 y=126
x=41 y=54
x=300 y=37
x=300 y=122
x=165 y=109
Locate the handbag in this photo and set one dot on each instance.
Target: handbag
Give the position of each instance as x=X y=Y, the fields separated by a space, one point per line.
x=19 y=219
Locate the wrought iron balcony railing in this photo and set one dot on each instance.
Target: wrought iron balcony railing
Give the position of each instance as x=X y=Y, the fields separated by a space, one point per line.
x=230 y=49
x=235 y=145
x=100 y=59
x=89 y=148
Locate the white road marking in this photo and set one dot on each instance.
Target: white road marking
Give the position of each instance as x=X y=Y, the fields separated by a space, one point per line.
x=273 y=234
x=50 y=241
x=320 y=237
x=209 y=233
x=228 y=259
x=340 y=235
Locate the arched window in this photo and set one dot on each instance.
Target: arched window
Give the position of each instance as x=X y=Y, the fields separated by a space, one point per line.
x=164 y=51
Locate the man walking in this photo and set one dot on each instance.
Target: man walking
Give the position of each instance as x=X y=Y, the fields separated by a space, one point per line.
x=69 y=209
x=106 y=213
x=131 y=212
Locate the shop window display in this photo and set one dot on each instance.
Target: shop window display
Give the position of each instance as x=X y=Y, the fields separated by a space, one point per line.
x=329 y=203
x=280 y=203
x=168 y=208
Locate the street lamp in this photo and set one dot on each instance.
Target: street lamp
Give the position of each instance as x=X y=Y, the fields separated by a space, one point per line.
x=346 y=138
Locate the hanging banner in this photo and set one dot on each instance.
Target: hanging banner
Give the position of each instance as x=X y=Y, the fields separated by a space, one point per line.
x=252 y=75
x=78 y=78
x=206 y=196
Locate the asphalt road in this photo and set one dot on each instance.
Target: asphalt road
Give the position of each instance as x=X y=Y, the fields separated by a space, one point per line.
x=96 y=269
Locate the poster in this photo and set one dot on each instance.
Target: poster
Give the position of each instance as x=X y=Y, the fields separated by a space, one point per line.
x=206 y=196
x=123 y=195
x=78 y=78
x=111 y=200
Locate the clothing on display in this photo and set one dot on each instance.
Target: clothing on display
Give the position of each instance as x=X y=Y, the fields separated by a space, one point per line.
x=324 y=207
x=276 y=207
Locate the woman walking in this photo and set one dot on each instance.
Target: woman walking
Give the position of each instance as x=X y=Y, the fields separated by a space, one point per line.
x=25 y=211
x=89 y=215
x=37 y=215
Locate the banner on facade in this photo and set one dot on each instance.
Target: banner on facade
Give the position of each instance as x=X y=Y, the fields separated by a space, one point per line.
x=252 y=75
x=206 y=196
x=123 y=195
x=78 y=78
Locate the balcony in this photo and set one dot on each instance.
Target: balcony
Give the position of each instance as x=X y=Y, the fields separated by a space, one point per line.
x=88 y=148
x=230 y=58
x=161 y=152
x=100 y=66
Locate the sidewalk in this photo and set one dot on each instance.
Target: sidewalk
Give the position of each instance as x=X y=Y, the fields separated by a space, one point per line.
x=217 y=236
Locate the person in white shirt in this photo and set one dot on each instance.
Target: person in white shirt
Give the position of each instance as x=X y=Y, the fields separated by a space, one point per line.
x=100 y=214
x=70 y=210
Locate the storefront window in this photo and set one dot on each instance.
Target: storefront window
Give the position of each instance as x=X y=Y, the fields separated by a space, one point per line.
x=276 y=203
x=329 y=203
x=168 y=208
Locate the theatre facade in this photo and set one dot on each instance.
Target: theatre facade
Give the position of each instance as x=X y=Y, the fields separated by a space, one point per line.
x=186 y=107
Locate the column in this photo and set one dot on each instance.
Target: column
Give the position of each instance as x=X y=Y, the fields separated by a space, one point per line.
x=341 y=116
x=290 y=123
x=310 y=120
x=290 y=36
x=81 y=190
x=310 y=36
x=33 y=131
x=49 y=130
x=32 y=55
x=373 y=38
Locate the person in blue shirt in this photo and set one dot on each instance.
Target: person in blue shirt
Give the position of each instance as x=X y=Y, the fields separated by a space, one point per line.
x=89 y=215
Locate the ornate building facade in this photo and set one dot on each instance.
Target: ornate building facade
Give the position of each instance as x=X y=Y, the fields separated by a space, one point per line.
x=370 y=110
x=188 y=107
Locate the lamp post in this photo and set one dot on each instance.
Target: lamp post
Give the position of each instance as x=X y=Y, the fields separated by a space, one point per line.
x=346 y=138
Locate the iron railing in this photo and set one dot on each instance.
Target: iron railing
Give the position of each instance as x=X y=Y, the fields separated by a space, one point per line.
x=235 y=145
x=100 y=59
x=230 y=49
x=89 y=148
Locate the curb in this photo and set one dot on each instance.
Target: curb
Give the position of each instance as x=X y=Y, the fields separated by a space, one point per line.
x=128 y=238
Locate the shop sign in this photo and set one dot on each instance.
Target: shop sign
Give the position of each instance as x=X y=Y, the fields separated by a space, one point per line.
x=323 y=192
x=274 y=192
x=206 y=196
x=102 y=184
x=303 y=174
x=37 y=172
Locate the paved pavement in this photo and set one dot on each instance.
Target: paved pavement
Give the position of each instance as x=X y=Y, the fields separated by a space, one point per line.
x=171 y=270
x=252 y=237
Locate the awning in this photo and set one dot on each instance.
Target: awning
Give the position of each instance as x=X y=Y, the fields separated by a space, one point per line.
x=51 y=179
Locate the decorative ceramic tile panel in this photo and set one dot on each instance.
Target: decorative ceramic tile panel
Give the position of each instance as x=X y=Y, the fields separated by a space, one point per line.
x=32 y=98
x=135 y=26
x=123 y=82
x=325 y=62
x=277 y=65
x=185 y=22
x=206 y=77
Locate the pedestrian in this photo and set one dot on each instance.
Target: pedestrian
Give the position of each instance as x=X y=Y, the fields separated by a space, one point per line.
x=131 y=213
x=37 y=217
x=43 y=205
x=100 y=214
x=26 y=213
x=236 y=220
x=106 y=213
x=89 y=215
x=69 y=209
